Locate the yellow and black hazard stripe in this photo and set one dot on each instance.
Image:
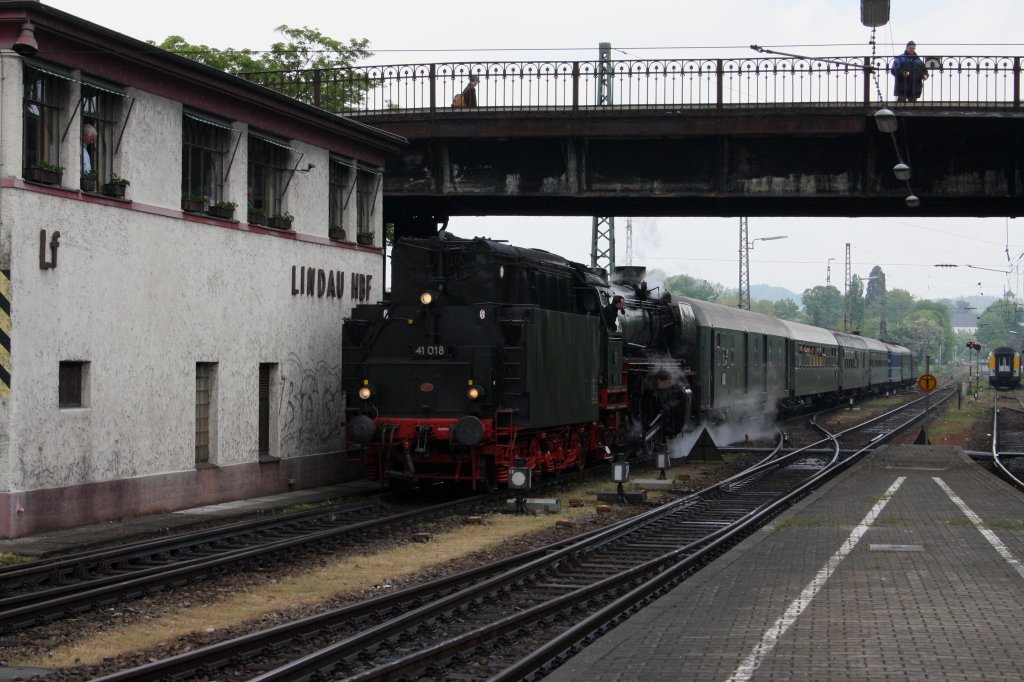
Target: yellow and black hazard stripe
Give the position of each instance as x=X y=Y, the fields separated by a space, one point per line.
x=5 y=333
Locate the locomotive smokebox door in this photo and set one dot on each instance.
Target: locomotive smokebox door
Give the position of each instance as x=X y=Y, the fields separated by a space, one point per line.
x=520 y=478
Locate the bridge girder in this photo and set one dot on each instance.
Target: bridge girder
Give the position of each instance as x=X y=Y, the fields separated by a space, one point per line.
x=800 y=162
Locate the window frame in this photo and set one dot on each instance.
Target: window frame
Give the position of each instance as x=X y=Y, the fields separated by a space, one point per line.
x=73 y=384
x=51 y=102
x=209 y=156
x=340 y=189
x=268 y=162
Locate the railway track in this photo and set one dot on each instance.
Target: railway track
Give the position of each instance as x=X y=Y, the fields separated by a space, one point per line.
x=519 y=618
x=1008 y=438
x=50 y=589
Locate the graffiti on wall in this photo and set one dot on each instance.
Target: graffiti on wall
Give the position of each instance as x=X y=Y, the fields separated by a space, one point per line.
x=312 y=409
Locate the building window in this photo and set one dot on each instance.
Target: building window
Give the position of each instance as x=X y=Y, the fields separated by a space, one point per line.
x=73 y=384
x=340 y=190
x=206 y=412
x=366 y=198
x=204 y=144
x=99 y=117
x=267 y=444
x=268 y=163
x=44 y=95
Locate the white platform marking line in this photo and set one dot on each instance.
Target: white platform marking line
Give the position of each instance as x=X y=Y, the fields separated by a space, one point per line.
x=980 y=525
x=778 y=629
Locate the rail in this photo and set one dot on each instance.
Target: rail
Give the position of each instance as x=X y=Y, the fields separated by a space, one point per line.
x=637 y=84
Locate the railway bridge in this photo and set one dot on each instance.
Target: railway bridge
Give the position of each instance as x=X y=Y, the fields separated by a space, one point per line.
x=756 y=136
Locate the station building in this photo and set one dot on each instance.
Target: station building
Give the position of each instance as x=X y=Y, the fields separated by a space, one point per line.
x=178 y=249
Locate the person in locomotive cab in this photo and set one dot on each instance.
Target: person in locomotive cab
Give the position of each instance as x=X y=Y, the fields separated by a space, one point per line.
x=611 y=312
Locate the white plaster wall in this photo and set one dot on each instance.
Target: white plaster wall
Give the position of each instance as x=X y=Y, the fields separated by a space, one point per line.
x=10 y=115
x=142 y=298
x=306 y=198
x=150 y=152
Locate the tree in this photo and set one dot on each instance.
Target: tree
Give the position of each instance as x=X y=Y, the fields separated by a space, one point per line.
x=1000 y=325
x=876 y=288
x=898 y=303
x=701 y=289
x=855 y=301
x=824 y=306
x=787 y=309
x=291 y=67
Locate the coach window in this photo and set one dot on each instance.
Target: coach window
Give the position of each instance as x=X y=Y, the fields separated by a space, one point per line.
x=268 y=170
x=45 y=93
x=340 y=191
x=204 y=145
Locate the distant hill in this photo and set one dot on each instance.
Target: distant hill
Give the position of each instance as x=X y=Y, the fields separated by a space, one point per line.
x=767 y=292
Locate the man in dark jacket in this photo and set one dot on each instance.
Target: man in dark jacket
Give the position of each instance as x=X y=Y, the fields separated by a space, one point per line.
x=469 y=94
x=909 y=72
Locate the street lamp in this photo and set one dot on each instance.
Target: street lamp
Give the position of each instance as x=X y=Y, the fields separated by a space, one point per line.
x=885 y=119
x=745 y=247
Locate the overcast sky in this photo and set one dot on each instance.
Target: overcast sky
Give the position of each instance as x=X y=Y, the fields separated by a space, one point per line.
x=402 y=31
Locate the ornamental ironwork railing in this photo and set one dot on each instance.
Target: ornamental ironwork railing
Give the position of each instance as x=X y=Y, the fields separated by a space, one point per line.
x=750 y=82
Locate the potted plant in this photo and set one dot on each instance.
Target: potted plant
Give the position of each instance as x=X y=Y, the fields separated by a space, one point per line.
x=257 y=216
x=44 y=172
x=116 y=187
x=281 y=221
x=192 y=202
x=88 y=181
x=224 y=210
x=365 y=238
x=336 y=232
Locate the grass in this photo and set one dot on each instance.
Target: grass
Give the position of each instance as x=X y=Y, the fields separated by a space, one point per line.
x=8 y=559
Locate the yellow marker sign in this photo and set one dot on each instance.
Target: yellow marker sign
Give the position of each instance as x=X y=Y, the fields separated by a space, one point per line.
x=927 y=383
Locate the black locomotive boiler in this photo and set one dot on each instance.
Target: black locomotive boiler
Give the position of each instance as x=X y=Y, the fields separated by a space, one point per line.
x=487 y=356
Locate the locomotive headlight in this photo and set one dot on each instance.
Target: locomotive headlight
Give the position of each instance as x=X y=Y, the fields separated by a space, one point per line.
x=365 y=391
x=427 y=297
x=474 y=392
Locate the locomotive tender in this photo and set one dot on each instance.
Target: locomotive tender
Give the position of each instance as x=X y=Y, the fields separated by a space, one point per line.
x=488 y=356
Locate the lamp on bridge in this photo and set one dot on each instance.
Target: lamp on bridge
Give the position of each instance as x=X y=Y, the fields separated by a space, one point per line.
x=885 y=119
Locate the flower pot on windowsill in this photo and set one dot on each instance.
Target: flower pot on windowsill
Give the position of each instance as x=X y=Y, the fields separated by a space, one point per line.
x=87 y=184
x=114 y=189
x=365 y=238
x=257 y=218
x=192 y=206
x=337 y=233
x=43 y=175
x=279 y=223
x=222 y=212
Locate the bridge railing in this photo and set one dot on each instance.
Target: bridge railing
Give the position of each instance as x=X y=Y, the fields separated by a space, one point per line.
x=647 y=83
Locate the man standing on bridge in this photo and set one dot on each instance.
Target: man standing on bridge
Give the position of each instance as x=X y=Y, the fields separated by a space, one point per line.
x=469 y=94
x=909 y=72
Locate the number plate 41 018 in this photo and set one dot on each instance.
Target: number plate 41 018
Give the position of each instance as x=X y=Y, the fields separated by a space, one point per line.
x=433 y=351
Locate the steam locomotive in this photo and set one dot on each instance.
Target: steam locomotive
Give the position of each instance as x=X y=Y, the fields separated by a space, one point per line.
x=487 y=356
